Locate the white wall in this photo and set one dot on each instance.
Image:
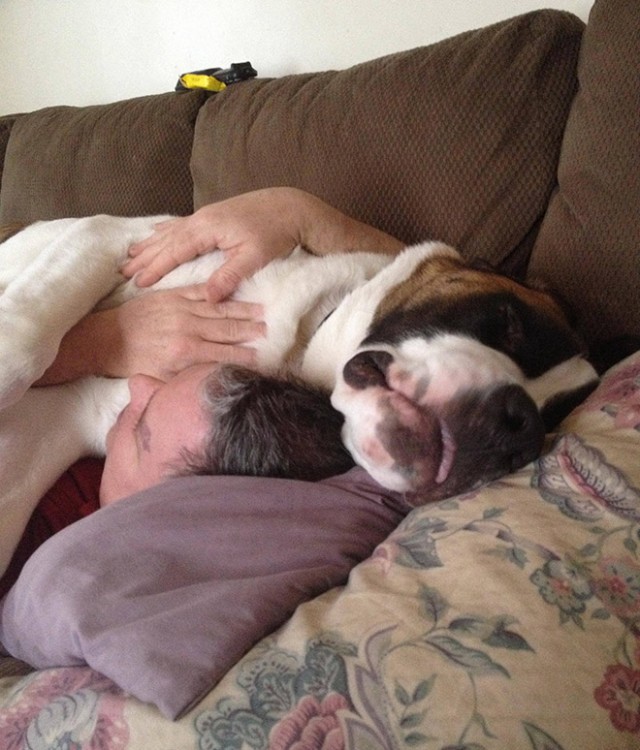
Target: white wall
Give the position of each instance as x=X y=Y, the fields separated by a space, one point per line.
x=91 y=51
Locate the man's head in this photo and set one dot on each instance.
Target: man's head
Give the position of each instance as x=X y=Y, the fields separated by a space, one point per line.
x=146 y=444
x=214 y=419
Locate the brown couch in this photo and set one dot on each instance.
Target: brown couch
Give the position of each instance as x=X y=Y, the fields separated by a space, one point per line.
x=504 y=619
x=514 y=143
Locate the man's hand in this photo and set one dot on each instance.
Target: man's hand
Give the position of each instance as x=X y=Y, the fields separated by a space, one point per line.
x=159 y=334
x=251 y=230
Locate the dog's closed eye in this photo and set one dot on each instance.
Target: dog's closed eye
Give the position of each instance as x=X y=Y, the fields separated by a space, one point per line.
x=513 y=327
x=503 y=328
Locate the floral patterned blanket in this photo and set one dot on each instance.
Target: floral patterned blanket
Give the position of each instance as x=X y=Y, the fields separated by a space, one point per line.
x=507 y=618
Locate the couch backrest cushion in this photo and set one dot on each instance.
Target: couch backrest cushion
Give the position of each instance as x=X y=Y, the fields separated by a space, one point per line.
x=457 y=141
x=589 y=243
x=6 y=123
x=5 y=129
x=126 y=158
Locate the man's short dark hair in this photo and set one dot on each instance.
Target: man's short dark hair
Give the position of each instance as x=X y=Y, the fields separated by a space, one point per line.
x=269 y=426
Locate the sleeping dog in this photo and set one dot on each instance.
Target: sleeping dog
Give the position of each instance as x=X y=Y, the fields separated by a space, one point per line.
x=443 y=376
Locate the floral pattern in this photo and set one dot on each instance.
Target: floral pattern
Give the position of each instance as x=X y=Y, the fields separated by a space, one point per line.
x=311 y=724
x=583 y=484
x=65 y=709
x=287 y=703
x=619 y=693
x=505 y=618
x=618 y=586
x=326 y=718
x=619 y=396
x=562 y=585
x=469 y=645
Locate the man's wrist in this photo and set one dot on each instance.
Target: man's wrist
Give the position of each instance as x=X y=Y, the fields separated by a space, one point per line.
x=86 y=350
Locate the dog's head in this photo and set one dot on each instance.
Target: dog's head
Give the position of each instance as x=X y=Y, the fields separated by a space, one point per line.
x=458 y=376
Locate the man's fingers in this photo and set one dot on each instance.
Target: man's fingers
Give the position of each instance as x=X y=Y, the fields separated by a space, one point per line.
x=132 y=266
x=227 y=309
x=152 y=240
x=227 y=354
x=226 y=279
x=223 y=283
x=194 y=293
x=230 y=331
x=152 y=258
x=139 y=247
x=236 y=310
x=149 y=270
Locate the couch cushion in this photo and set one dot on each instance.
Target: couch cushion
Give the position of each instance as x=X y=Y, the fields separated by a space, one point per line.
x=589 y=243
x=129 y=158
x=457 y=141
x=6 y=123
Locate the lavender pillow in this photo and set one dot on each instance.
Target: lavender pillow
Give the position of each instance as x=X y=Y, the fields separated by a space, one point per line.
x=165 y=591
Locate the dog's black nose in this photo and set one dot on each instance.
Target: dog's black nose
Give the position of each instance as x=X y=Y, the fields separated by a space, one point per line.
x=519 y=429
x=367 y=369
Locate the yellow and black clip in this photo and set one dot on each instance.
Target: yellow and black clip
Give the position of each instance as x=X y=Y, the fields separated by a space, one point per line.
x=216 y=79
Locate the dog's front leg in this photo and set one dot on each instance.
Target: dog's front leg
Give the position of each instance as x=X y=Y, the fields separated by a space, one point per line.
x=41 y=436
x=65 y=281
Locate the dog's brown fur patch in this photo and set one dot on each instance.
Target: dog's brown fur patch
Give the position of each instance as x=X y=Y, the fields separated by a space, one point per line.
x=444 y=276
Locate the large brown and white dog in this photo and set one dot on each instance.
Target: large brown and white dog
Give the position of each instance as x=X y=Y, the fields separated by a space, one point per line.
x=445 y=375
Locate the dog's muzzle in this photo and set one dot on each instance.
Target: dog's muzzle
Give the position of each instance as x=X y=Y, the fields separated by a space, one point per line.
x=434 y=449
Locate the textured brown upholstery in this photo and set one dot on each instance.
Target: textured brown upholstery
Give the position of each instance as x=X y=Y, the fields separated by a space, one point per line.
x=5 y=131
x=589 y=243
x=457 y=141
x=127 y=158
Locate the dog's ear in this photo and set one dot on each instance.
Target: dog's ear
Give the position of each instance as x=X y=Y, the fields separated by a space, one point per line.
x=607 y=353
x=8 y=230
x=602 y=354
x=481 y=264
x=569 y=311
x=537 y=284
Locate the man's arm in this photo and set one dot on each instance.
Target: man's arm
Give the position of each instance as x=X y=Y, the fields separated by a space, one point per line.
x=158 y=334
x=161 y=333
x=251 y=230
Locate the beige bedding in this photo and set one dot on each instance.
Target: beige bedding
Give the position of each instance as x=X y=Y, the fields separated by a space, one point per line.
x=508 y=618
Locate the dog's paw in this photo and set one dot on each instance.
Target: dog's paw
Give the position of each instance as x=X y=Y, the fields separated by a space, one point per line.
x=25 y=354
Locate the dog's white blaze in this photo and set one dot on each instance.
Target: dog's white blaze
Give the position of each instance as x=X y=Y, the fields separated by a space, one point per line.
x=448 y=364
x=380 y=466
x=427 y=372
x=431 y=373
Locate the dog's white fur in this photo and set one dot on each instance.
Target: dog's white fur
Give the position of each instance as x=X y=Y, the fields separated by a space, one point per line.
x=54 y=273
